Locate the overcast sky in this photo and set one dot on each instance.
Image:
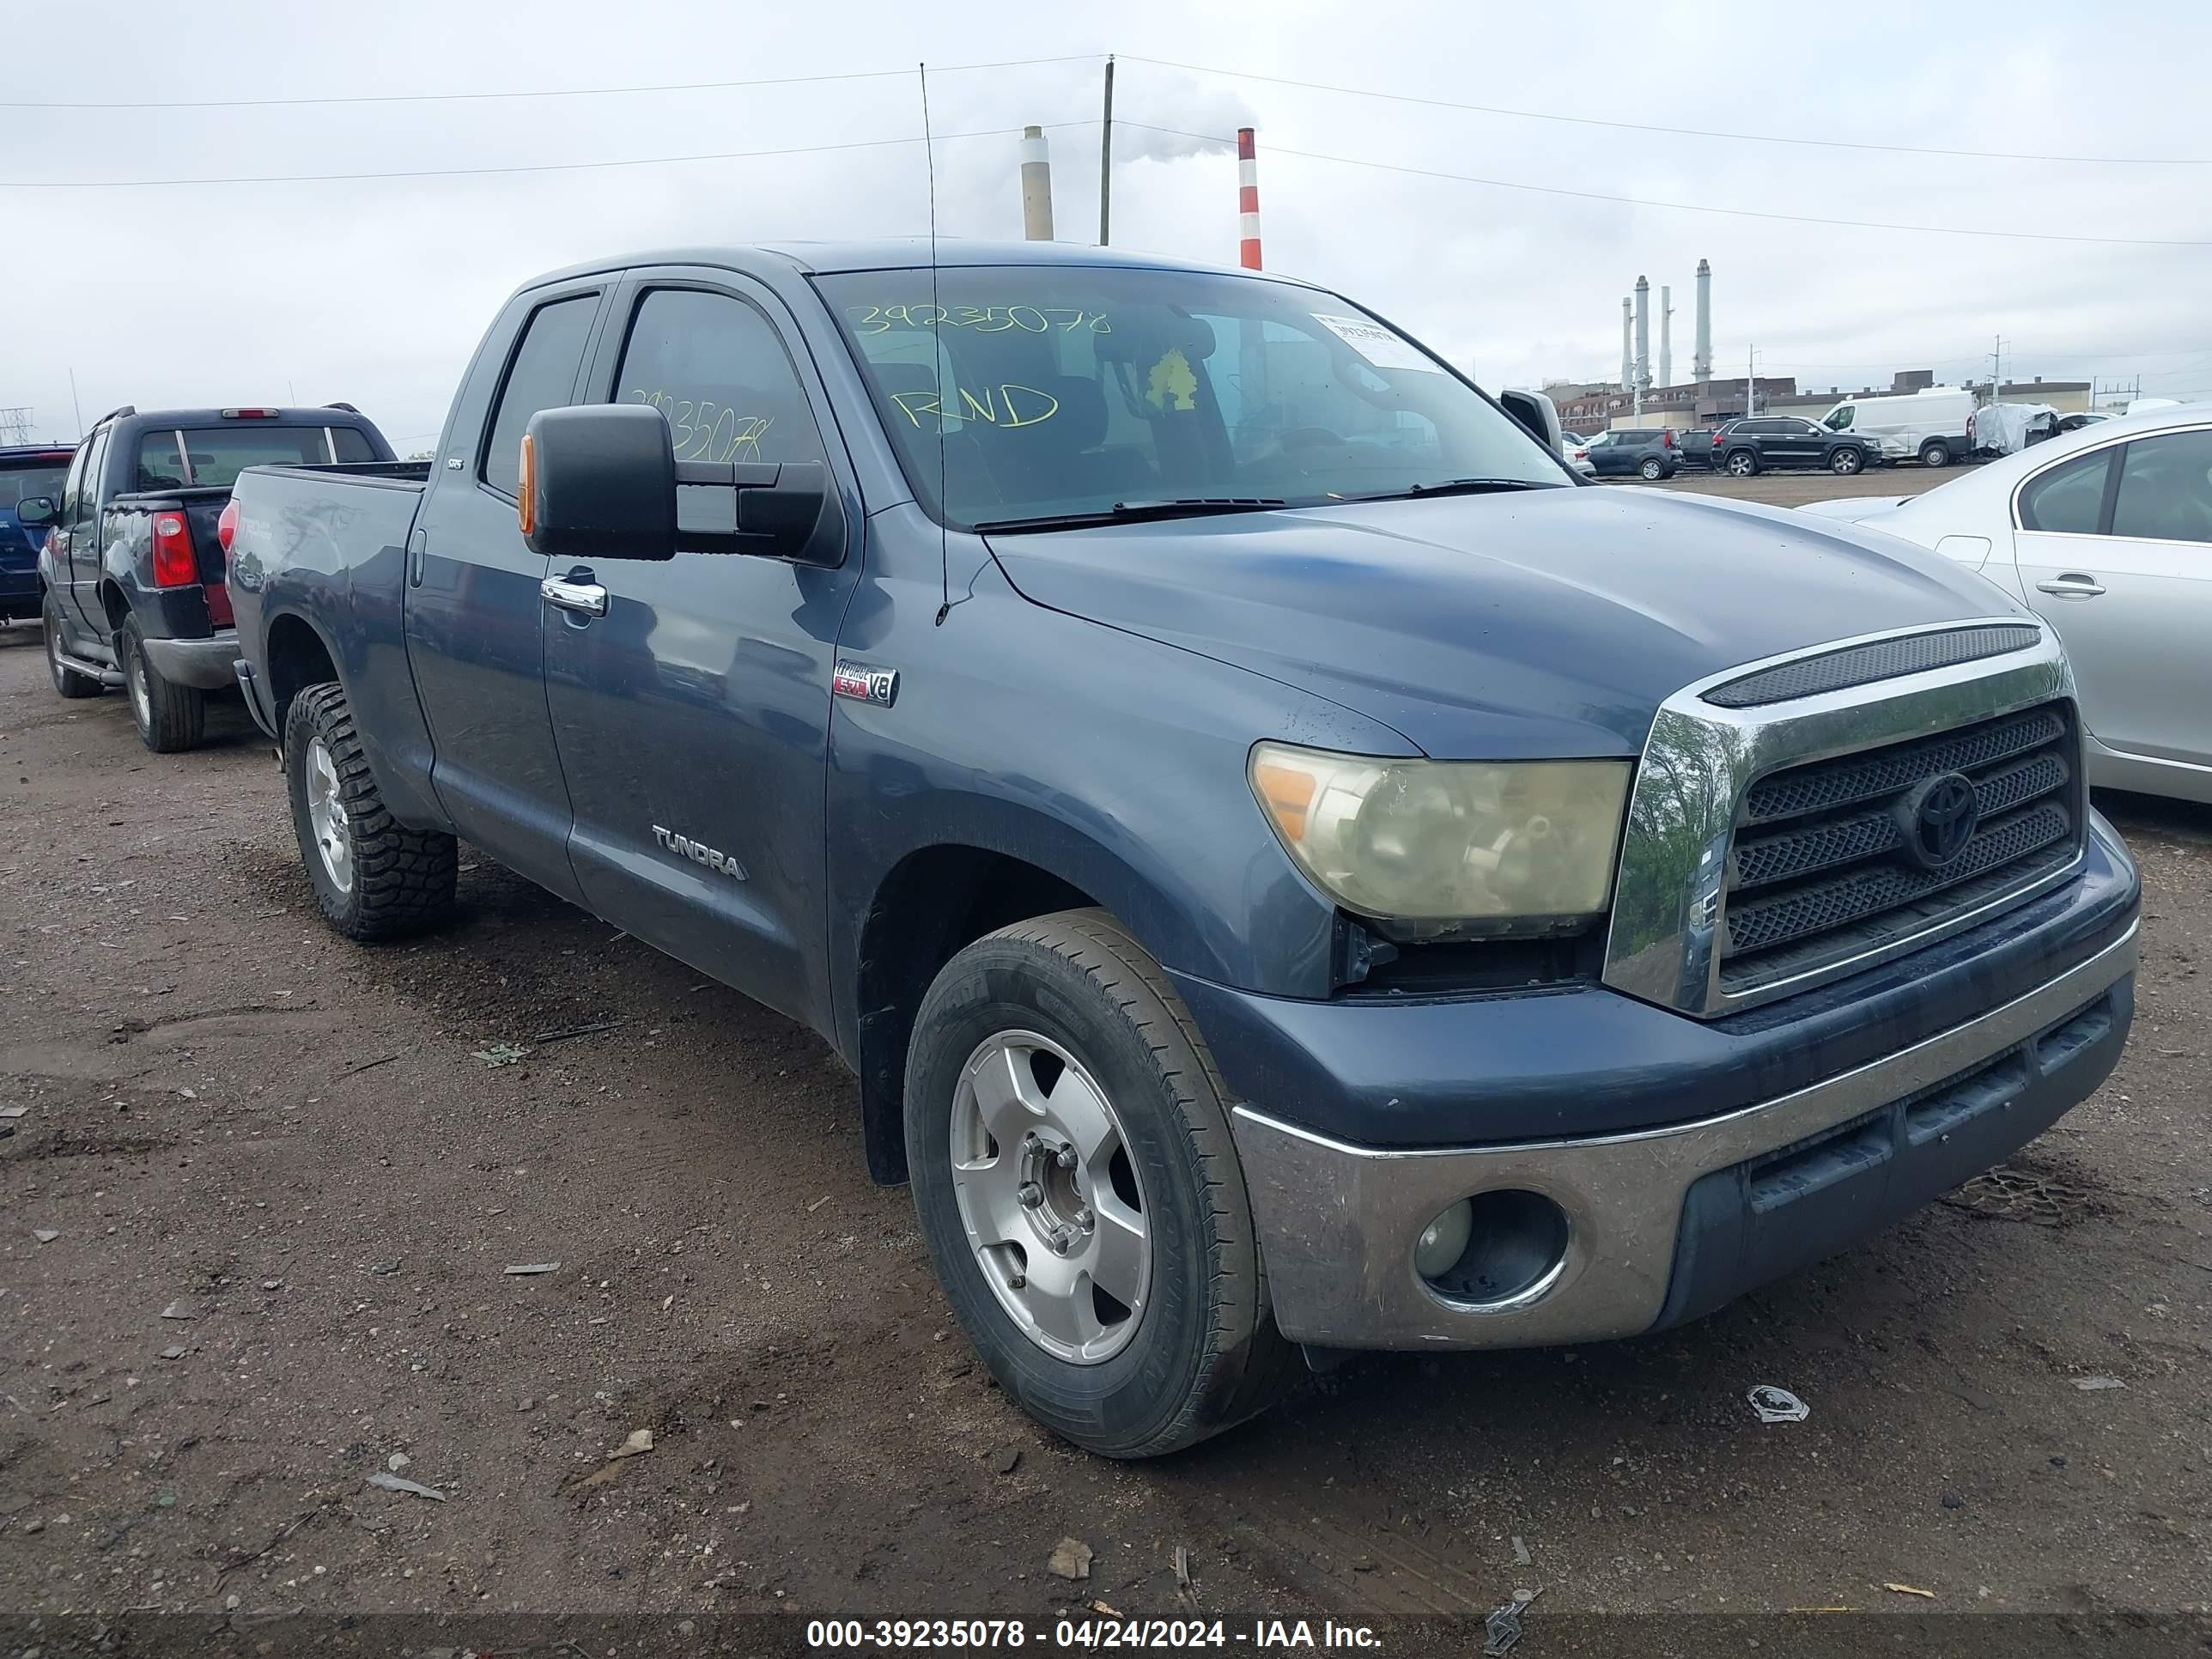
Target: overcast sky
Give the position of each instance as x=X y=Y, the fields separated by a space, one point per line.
x=374 y=291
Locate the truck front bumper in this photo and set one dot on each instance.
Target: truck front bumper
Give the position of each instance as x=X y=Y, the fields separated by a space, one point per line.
x=1633 y=1167
x=205 y=663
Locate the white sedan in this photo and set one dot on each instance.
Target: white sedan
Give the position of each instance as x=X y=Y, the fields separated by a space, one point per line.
x=2107 y=533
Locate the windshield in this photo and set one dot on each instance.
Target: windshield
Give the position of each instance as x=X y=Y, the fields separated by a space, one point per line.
x=1068 y=390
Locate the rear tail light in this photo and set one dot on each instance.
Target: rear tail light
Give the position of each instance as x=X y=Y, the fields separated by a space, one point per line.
x=1667 y=438
x=226 y=527
x=173 y=564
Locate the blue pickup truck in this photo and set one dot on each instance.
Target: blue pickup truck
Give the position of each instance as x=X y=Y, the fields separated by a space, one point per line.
x=130 y=583
x=1290 y=868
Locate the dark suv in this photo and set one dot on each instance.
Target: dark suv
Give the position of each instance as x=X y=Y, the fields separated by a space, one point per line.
x=1744 y=448
x=28 y=473
x=1646 y=452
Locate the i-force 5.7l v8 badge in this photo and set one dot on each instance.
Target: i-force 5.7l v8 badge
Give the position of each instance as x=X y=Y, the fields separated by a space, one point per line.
x=865 y=684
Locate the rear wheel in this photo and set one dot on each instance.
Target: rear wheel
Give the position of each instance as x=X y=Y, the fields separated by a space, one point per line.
x=1935 y=453
x=1079 y=1193
x=1846 y=461
x=1650 y=470
x=169 y=717
x=373 y=878
x=1742 y=463
x=68 y=682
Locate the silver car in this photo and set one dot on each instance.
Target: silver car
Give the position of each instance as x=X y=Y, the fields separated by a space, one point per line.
x=2107 y=533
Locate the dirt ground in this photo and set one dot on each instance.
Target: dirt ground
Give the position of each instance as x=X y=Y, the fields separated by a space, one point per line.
x=260 y=1205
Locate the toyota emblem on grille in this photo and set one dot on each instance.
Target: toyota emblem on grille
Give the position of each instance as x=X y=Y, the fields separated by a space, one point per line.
x=1939 y=816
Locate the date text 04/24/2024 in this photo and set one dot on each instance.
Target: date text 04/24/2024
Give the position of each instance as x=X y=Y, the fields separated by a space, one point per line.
x=1089 y=1634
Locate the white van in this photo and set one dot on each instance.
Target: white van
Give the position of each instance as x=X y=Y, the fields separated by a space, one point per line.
x=1929 y=425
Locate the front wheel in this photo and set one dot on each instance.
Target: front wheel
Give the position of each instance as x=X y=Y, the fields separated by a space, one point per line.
x=1742 y=463
x=1845 y=461
x=373 y=877
x=68 y=682
x=169 y=717
x=1079 y=1192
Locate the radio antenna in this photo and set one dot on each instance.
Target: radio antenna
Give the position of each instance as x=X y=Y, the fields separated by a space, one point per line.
x=937 y=365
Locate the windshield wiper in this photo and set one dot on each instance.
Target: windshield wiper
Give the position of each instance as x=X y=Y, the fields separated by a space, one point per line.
x=1194 y=506
x=1457 y=487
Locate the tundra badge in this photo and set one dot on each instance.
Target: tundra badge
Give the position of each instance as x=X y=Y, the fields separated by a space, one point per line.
x=865 y=684
x=684 y=846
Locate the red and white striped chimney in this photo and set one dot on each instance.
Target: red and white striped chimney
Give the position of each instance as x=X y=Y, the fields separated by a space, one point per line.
x=1247 y=202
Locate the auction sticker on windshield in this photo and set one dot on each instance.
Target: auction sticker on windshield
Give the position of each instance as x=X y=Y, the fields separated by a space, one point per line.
x=1376 y=344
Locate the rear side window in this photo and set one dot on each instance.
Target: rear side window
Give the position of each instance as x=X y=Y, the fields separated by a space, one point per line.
x=2166 y=489
x=2069 y=499
x=351 y=444
x=542 y=375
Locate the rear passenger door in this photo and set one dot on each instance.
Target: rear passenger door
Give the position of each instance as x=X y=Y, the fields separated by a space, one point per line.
x=475 y=611
x=2115 y=551
x=696 y=704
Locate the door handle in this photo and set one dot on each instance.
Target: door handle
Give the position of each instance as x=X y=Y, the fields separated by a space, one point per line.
x=585 y=598
x=2071 y=586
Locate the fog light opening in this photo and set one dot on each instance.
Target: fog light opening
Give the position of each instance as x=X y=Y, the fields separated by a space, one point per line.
x=1511 y=1246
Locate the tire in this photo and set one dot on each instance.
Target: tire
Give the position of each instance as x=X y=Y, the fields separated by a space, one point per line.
x=68 y=683
x=169 y=718
x=1199 y=1351
x=381 y=879
x=1846 y=461
x=1742 y=463
x=1935 y=453
x=1650 y=470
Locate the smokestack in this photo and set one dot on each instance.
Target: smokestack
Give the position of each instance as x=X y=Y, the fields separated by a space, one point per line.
x=1627 y=349
x=1248 y=201
x=1666 y=337
x=1642 y=331
x=1037 y=187
x=1702 y=362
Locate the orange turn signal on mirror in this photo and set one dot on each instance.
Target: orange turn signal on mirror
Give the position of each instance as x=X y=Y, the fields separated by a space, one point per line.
x=1287 y=794
x=525 y=488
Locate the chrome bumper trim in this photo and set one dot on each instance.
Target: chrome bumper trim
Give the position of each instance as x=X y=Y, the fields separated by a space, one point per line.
x=1338 y=1223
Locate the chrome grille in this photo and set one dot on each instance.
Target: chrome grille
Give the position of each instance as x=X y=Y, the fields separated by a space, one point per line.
x=1820 y=868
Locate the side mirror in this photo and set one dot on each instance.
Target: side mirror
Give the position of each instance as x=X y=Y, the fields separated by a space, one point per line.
x=599 y=480
x=36 y=512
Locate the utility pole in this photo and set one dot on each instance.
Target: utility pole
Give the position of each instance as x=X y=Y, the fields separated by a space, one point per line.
x=1997 y=371
x=1106 y=162
x=1750 y=381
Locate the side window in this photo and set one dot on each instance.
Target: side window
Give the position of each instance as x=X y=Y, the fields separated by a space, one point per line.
x=2166 y=489
x=541 y=376
x=351 y=444
x=73 y=485
x=2069 y=499
x=88 y=501
x=717 y=369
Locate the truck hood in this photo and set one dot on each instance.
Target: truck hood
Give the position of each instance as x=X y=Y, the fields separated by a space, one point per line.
x=1543 y=623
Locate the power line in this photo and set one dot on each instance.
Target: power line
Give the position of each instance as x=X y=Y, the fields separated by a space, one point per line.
x=542 y=92
x=527 y=167
x=1734 y=213
x=1678 y=133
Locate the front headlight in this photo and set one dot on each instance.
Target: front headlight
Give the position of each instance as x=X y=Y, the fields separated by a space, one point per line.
x=1443 y=849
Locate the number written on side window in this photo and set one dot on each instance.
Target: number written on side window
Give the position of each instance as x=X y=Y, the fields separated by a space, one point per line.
x=715 y=368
